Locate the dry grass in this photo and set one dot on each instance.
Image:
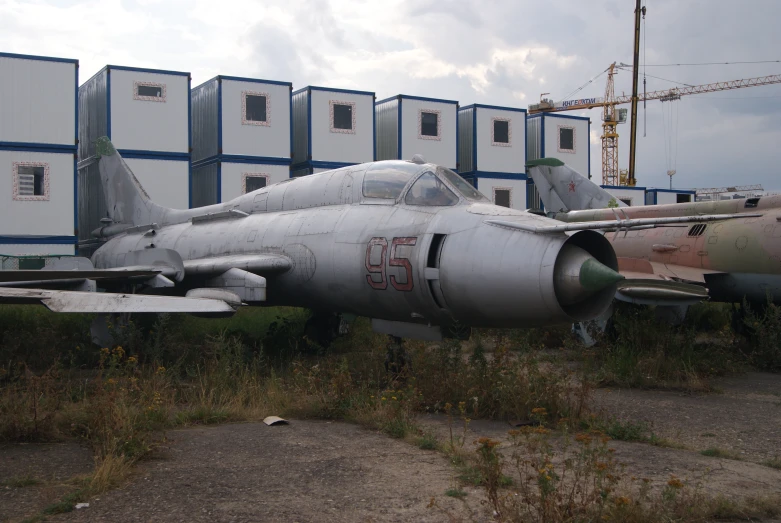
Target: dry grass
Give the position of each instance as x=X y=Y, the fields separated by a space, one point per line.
x=117 y=399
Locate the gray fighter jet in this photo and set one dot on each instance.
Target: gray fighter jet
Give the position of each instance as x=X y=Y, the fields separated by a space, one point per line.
x=406 y=243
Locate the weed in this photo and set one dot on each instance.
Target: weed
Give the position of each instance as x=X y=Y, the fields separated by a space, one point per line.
x=455 y=493
x=624 y=430
x=763 y=327
x=715 y=452
x=427 y=441
x=773 y=463
x=20 y=482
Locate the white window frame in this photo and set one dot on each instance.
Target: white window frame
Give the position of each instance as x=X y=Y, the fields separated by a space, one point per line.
x=331 y=104
x=509 y=132
x=421 y=136
x=244 y=177
x=574 y=139
x=508 y=189
x=136 y=96
x=244 y=120
x=24 y=198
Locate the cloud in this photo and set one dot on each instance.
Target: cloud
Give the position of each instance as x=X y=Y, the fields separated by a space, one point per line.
x=500 y=53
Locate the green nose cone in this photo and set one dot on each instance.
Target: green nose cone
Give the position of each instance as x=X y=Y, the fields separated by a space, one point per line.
x=595 y=276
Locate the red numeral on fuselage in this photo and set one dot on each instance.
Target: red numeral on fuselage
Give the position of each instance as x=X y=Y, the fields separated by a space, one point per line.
x=393 y=261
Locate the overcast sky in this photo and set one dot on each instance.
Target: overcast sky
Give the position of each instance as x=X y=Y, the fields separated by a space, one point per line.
x=493 y=52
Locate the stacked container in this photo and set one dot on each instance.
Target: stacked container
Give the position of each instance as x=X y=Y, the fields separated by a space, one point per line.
x=492 y=152
x=146 y=114
x=242 y=137
x=38 y=141
x=561 y=136
x=410 y=125
x=664 y=196
x=332 y=128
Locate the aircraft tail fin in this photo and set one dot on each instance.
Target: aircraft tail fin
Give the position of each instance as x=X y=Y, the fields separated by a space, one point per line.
x=126 y=200
x=563 y=189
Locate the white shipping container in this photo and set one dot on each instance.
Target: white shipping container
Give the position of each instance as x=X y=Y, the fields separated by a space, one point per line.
x=149 y=111
x=553 y=135
x=631 y=196
x=665 y=196
x=506 y=192
x=332 y=127
x=241 y=178
x=410 y=125
x=166 y=181
x=38 y=193
x=141 y=110
x=38 y=102
x=242 y=136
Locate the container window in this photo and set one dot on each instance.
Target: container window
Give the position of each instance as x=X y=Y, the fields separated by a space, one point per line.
x=500 y=133
x=255 y=108
x=566 y=139
x=31 y=181
x=627 y=201
x=342 y=117
x=429 y=124
x=683 y=198
x=253 y=182
x=429 y=190
x=149 y=91
x=502 y=196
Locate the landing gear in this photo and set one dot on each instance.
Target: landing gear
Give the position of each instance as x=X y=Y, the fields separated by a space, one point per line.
x=323 y=328
x=396 y=359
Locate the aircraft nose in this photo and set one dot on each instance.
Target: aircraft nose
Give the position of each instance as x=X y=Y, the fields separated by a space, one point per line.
x=579 y=275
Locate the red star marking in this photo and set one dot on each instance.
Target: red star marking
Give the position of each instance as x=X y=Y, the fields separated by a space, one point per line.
x=571 y=186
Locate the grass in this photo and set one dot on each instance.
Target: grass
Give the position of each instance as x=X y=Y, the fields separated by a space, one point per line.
x=715 y=452
x=179 y=371
x=21 y=482
x=455 y=493
x=774 y=463
x=427 y=441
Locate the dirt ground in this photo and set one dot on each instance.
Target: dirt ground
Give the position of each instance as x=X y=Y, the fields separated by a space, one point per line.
x=328 y=471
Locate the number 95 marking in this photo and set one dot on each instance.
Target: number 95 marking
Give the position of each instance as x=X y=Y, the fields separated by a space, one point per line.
x=377 y=277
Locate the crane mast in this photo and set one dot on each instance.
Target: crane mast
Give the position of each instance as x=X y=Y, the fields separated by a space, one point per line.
x=631 y=181
x=609 y=133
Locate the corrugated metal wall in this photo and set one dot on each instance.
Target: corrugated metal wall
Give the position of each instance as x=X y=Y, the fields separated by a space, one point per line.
x=205 y=185
x=534 y=138
x=92 y=202
x=466 y=154
x=386 y=133
x=300 y=126
x=93 y=115
x=205 y=122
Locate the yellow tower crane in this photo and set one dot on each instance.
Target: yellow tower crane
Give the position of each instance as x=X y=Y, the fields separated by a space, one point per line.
x=612 y=116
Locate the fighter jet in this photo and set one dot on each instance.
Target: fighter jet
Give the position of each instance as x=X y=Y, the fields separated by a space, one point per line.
x=407 y=243
x=734 y=259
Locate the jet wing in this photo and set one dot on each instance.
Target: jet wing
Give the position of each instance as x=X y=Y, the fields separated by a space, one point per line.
x=104 y=302
x=17 y=276
x=644 y=269
x=615 y=224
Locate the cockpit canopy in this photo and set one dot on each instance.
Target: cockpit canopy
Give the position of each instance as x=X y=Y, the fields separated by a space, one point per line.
x=428 y=185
